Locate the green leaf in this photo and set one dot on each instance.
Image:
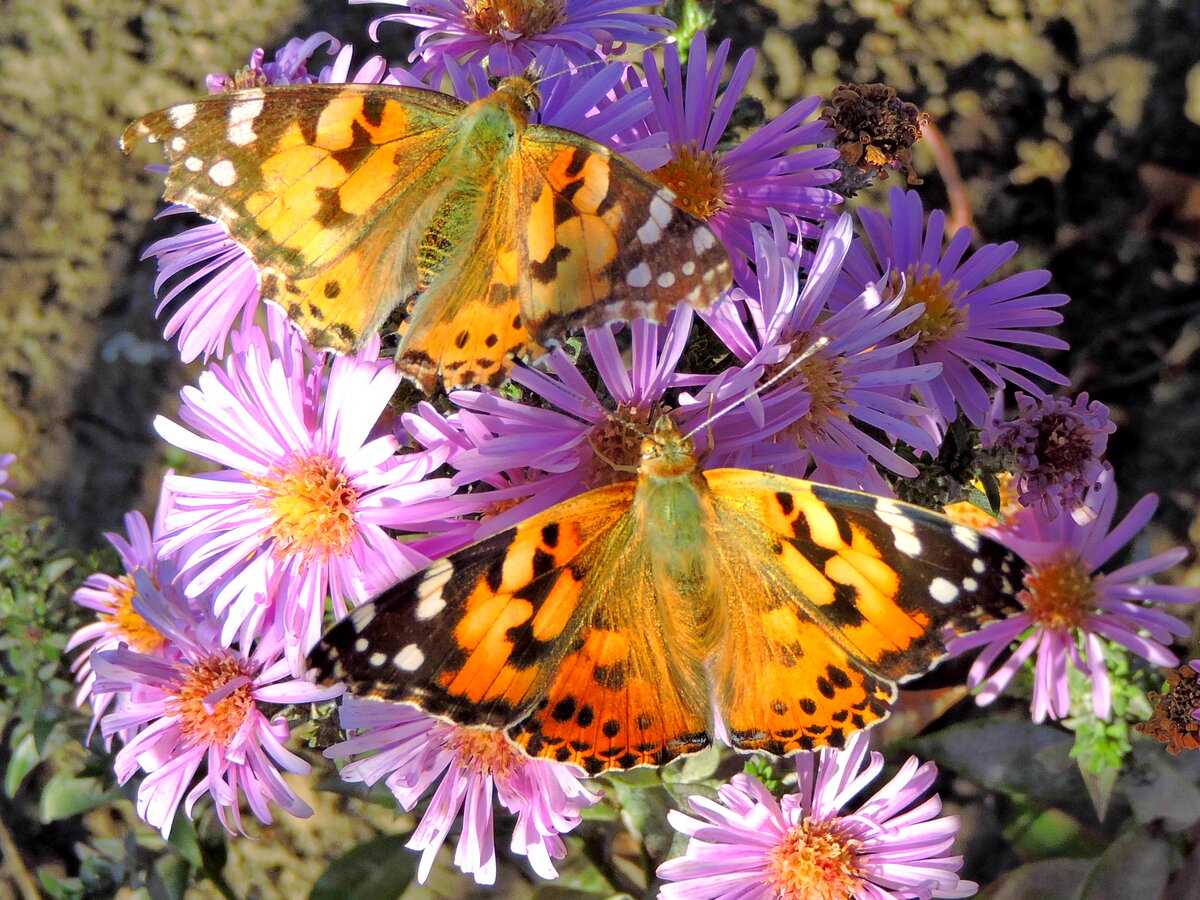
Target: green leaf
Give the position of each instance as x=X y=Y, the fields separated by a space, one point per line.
x=24 y=760
x=1039 y=834
x=1050 y=879
x=1134 y=865
x=379 y=869
x=185 y=840
x=66 y=795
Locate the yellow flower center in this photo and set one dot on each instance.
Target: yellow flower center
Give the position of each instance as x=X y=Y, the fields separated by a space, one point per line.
x=942 y=318
x=816 y=861
x=1059 y=594
x=483 y=751
x=212 y=723
x=508 y=19
x=698 y=180
x=313 y=503
x=139 y=634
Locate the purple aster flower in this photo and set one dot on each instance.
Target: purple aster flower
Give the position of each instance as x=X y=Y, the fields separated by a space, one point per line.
x=118 y=623
x=203 y=264
x=414 y=750
x=731 y=188
x=748 y=845
x=6 y=460
x=1071 y=608
x=537 y=456
x=302 y=510
x=970 y=329
x=812 y=424
x=508 y=34
x=1056 y=446
x=194 y=715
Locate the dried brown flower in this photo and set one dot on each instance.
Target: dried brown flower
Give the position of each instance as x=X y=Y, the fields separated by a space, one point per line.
x=875 y=129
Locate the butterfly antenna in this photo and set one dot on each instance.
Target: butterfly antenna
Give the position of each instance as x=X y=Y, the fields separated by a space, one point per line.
x=815 y=347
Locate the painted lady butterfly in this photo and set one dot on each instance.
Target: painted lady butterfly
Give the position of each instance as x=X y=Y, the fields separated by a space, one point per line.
x=499 y=234
x=605 y=631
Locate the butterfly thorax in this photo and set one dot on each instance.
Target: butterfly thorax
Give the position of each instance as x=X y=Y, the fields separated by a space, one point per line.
x=491 y=126
x=673 y=508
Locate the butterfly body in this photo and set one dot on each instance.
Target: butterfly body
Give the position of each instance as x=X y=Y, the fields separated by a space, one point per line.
x=495 y=233
x=637 y=622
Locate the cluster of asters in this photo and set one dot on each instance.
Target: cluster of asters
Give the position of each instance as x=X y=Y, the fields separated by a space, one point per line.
x=199 y=647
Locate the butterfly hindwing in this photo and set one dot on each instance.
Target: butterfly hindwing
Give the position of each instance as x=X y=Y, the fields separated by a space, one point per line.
x=853 y=594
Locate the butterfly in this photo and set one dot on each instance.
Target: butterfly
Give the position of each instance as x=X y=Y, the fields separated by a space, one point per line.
x=632 y=624
x=498 y=234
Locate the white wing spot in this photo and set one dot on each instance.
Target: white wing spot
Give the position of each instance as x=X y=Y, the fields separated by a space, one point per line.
x=639 y=275
x=968 y=537
x=193 y=164
x=361 y=645
x=661 y=209
x=703 y=239
x=650 y=232
x=377 y=659
x=970 y=584
x=362 y=617
x=181 y=116
x=178 y=143
x=906 y=542
x=978 y=566
x=222 y=173
x=666 y=279
x=943 y=591
x=409 y=659
x=241 y=121
x=688 y=269
x=430 y=590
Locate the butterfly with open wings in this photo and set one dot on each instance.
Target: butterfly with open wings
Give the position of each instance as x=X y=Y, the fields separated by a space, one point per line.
x=495 y=233
x=634 y=623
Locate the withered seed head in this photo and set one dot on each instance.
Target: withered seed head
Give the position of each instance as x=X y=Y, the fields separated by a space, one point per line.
x=875 y=129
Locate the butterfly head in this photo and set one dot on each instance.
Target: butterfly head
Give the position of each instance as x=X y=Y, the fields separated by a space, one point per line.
x=665 y=452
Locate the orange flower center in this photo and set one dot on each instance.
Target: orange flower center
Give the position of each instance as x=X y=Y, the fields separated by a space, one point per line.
x=139 y=634
x=209 y=720
x=483 y=751
x=816 y=861
x=313 y=504
x=942 y=318
x=1059 y=594
x=698 y=180
x=508 y=19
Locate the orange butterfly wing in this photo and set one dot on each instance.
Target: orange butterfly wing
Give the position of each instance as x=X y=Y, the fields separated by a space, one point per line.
x=851 y=594
x=322 y=184
x=551 y=624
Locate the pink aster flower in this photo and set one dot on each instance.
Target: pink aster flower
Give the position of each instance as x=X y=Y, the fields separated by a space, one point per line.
x=310 y=489
x=216 y=277
x=536 y=456
x=194 y=719
x=748 y=845
x=970 y=328
x=1057 y=447
x=6 y=460
x=825 y=420
x=508 y=34
x=732 y=188
x=1071 y=608
x=118 y=623
x=414 y=750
